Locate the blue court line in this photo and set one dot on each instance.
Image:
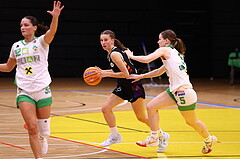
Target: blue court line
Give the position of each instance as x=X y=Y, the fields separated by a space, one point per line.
x=216 y=105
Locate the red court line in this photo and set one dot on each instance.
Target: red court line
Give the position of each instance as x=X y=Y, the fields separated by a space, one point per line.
x=13 y=145
x=99 y=147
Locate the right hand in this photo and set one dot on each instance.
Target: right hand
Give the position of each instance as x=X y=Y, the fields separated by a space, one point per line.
x=135 y=77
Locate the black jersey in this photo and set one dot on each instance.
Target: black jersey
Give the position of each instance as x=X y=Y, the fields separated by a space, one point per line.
x=125 y=88
x=129 y=65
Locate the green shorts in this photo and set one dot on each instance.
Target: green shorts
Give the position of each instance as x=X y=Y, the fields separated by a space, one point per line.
x=41 y=98
x=185 y=98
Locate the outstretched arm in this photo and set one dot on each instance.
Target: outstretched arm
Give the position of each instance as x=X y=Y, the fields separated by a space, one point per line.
x=148 y=58
x=54 y=24
x=153 y=73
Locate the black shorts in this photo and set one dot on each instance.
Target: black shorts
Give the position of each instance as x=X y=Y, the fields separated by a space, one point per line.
x=130 y=91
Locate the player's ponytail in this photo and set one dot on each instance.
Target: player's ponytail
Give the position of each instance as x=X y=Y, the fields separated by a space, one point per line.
x=117 y=42
x=41 y=29
x=175 y=42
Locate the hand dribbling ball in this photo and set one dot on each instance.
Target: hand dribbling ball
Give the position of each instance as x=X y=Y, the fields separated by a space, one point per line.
x=91 y=76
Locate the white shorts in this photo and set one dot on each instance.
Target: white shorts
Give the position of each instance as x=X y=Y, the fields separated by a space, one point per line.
x=185 y=98
x=40 y=98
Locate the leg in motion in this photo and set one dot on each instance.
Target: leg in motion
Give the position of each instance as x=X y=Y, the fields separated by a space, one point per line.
x=191 y=119
x=109 y=116
x=28 y=111
x=157 y=136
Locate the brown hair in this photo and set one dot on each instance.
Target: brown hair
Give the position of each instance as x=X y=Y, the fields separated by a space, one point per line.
x=175 y=42
x=112 y=35
x=41 y=29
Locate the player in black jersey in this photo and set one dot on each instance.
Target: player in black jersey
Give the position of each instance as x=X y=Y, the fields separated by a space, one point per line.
x=121 y=68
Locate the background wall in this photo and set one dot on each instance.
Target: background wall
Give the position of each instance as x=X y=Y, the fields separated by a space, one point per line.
x=210 y=30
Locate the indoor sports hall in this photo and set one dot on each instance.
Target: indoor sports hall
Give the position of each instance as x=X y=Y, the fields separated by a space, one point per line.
x=210 y=32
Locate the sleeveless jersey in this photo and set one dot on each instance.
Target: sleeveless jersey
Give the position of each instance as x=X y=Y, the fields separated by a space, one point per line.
x=176 y=70
x=32 y=64
x=129 y=65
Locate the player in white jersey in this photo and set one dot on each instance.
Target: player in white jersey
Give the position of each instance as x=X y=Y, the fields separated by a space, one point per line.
x=34 y=98
x=180 y=92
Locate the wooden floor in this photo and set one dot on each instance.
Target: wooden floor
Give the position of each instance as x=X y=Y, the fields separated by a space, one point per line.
x=71 y=96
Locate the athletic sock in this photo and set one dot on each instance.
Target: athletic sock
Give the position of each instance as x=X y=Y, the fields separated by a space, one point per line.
x=114 y=131
x=154 y=134
x=207 y=139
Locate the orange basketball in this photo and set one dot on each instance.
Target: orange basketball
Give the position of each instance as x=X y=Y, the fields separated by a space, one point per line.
x=91 y=76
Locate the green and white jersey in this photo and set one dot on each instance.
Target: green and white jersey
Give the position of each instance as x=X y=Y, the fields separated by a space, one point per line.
x=176 y=70
x=32 y=64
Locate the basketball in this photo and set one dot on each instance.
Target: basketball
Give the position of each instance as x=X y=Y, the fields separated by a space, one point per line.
x=91 y=76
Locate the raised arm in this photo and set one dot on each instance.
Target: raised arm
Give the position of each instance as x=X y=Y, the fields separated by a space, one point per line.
x=54 y=24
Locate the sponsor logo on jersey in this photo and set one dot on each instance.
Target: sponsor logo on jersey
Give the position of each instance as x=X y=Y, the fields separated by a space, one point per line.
x=28 y=59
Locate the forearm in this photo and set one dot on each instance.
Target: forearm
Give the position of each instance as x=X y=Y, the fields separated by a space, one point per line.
x=5 y=68
x=9 y=66
x=111 y=73
x=142 y=59
x=154 y=73
x=53 y=26
x=52 y=30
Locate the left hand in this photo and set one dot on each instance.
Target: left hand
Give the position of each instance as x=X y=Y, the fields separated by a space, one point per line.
x=56 y=9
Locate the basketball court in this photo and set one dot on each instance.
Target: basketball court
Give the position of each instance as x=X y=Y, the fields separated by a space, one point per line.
x=77 y=124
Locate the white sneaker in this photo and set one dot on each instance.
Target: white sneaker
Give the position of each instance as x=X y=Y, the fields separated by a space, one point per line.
x=149 y=142
x=163 y=142
x=44 y=144
x=208 y=146
x=111 y=140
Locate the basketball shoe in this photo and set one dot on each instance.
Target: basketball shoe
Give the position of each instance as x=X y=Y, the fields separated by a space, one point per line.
x=111 y=140
x=163 y=142
x=44 y=144
x=208 y=145
x=149 y=142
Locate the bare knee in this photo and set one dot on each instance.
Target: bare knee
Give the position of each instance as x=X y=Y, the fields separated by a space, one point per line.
x=150 y=109
x=32 y=129
x=106 y=110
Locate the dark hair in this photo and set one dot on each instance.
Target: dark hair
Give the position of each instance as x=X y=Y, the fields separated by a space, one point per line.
x=116 y=41
x=176 y=42
x=41 y=29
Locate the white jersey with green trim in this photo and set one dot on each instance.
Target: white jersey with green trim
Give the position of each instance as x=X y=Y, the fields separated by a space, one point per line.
x=176 y=70
x=32 y=64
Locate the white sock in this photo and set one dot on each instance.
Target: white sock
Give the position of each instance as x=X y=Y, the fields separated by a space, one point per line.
x=114 y=131
x=154 y=134
x=160 y=132
x=207 y=139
